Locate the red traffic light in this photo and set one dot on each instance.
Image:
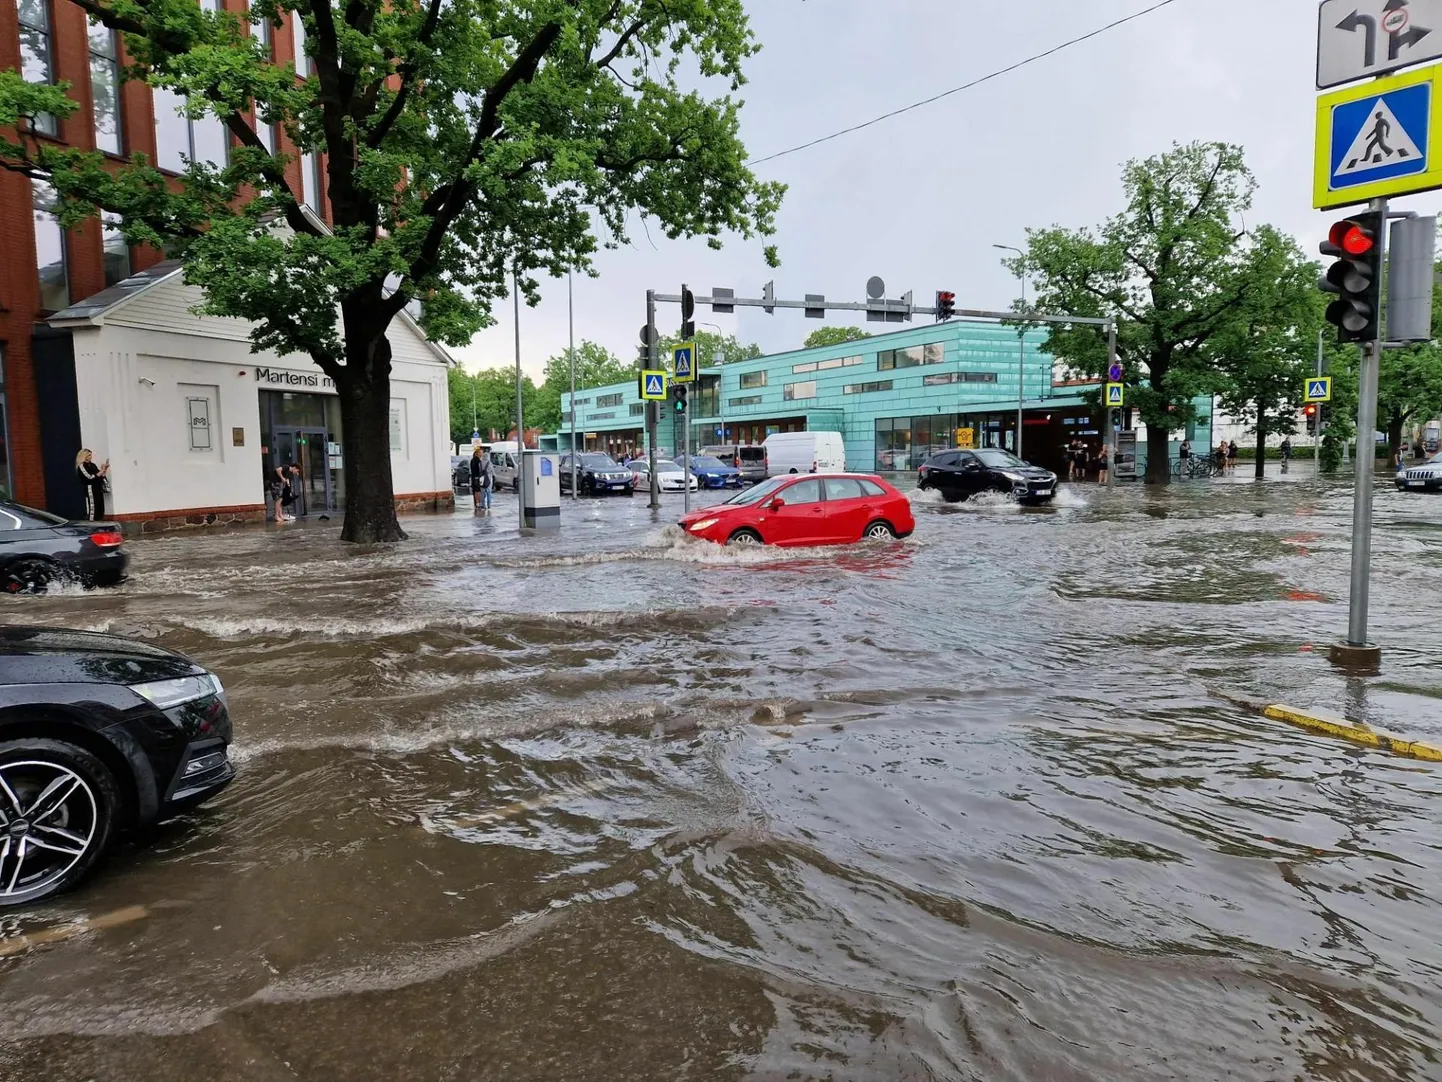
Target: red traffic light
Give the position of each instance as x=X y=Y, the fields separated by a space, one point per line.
x=946 y=298
x=1310 y=411
x=1351 y=238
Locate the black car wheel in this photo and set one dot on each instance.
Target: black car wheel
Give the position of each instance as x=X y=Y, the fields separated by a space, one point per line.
x=880 y=530
x=58 y=808
x=29 y=576
x=588 y=486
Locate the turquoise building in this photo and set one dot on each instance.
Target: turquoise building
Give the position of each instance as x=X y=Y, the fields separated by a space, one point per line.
x=896 y=398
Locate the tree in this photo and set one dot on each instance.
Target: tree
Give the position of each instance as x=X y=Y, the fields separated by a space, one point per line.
x=1176 y=268
x=1268 y=350
x=834 y=336
x=464 y=141
x=462 y=385
x=708 y=345
x=596 y=366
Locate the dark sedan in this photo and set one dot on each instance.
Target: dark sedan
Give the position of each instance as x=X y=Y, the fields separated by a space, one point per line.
x=597 y=473
x=98 y=733
x=960 y=475
x=38 y=548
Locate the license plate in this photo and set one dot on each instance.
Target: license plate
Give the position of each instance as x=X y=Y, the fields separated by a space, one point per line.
x=1043 y=492
x=1416 y=484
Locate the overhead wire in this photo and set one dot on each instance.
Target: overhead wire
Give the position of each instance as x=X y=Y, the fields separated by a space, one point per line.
x=966 y=86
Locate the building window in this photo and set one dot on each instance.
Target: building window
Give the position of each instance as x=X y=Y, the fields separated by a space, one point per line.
x=178 y=138
x=398 y=427
x=35 y=54
x=637 y=409
x=49 y=249
x=939 y=380
x=198 y=414
x=117 y=249
x=911 y=357
x=751 y=380
x=610 y=400
x=978 y=377
x=303 y=66
x=837 y=362
x=7 y=490
x=794 y=392
x=105 y=88
x=749 y=400
x=867 y=388
x=581 y=402
x=602 y=416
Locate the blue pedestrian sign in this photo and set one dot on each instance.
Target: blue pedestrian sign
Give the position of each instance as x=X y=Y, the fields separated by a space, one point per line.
x=653 y=385
x=1116 y=395
x=1319 y=389
x=1378 y=139
x=683 y=363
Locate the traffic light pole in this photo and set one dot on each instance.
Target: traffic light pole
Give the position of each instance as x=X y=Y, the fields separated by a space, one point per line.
x=653 y=422
x=1317 y=436
x=1357 y=650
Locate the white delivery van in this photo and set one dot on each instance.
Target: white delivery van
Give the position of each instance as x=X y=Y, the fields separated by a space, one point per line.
x=505 y=465
x=804 y=452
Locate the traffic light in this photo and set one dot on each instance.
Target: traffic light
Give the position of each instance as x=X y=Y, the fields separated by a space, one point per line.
x=678 y=399
x=945 y=305
x=1311 y=413
x=1356 y=277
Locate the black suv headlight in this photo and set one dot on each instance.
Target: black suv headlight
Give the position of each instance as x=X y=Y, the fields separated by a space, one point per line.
x=166 y=694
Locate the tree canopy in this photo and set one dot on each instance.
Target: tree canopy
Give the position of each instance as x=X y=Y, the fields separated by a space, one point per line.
x=709 y=345
x=834 y=336
x=463 y=142
x=1180 y=270
x=596 y=366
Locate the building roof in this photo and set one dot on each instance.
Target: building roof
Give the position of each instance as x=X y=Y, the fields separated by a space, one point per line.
x=92 y=308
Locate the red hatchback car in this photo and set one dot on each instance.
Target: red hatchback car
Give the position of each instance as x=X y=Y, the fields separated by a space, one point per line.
x=829 y=509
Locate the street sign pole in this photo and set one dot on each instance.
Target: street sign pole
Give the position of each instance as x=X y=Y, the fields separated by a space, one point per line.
x=652 y=421
x=1317 y=437
x=1358 y=650
x=1108 y=429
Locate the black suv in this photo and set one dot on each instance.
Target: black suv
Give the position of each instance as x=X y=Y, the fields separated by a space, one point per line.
x=97 y=733
x=960 y=475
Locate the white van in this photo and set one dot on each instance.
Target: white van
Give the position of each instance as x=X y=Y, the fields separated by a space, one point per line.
x=505 y=465
x=804 y=452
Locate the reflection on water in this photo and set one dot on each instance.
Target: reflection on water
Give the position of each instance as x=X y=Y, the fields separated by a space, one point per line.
x=990 y=803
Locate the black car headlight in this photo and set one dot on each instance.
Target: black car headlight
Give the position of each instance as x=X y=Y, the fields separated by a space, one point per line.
x=166 y=694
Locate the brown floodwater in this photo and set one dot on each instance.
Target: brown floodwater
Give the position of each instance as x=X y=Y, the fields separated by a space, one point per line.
x=993 y=803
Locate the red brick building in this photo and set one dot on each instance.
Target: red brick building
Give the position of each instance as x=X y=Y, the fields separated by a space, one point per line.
x=43 y=270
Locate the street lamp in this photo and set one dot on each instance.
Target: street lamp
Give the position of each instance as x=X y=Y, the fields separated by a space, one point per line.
x=1021 y=338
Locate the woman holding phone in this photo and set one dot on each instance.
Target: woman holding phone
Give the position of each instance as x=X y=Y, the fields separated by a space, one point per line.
x=96 y=480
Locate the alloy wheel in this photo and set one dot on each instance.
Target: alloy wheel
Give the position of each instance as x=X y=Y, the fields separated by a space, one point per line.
x=880 y=531
x=48 y=818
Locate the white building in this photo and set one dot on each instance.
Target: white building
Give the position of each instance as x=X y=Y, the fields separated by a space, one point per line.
x=193 y=422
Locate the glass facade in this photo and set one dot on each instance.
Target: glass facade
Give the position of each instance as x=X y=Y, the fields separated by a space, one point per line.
x=305 y=429
x=910 y=357
x=117 y=249
x=178 y=138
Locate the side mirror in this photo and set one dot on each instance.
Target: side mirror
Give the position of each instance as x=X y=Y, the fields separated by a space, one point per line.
x=776 y=504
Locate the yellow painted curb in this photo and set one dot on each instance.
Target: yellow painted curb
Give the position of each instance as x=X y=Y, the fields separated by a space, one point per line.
x=1358 y=734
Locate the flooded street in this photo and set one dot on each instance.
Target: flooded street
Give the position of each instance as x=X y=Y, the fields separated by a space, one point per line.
x=992 y=803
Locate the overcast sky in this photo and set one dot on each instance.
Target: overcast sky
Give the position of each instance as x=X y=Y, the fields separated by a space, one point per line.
x=920 y=199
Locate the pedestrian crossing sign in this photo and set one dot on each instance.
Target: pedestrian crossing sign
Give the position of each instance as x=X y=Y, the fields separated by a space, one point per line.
x=1116 y=394
x=1319 y=389
x=653 y=386
x=683 y=363
x=1377 y=139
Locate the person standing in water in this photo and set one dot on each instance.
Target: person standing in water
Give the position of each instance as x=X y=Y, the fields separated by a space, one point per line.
x=94 y=478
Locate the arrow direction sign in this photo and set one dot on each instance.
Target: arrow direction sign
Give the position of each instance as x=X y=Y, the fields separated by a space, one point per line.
x=1358 y=38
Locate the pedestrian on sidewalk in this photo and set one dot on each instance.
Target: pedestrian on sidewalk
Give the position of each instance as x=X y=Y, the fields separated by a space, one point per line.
x=1219 y=456
x=488 y=482
x=1100 y=464
x=1184 y=453
x=96 y=480
x=476 y=479
x=290 y=500
x=277 y=489
x=1232 y=455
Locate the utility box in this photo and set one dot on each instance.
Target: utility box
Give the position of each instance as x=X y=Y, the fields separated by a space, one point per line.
x=540 y=491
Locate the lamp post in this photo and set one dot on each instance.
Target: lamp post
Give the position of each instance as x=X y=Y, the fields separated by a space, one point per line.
x=571 y=356
x=1021 y=339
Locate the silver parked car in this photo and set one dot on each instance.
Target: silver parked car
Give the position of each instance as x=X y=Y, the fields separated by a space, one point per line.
x=1424 y=478
x=670 y=476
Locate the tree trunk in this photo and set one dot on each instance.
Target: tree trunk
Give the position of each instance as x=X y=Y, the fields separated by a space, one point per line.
x=1159 y=450
x=1261 y=451
x=365 y=410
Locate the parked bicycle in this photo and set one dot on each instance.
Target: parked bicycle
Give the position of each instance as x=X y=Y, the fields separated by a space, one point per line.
x=1196 y=466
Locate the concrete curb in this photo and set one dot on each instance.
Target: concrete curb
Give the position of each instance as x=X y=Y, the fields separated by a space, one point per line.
x=1357 y=734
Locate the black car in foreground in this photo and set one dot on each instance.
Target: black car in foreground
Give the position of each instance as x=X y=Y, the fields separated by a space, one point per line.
x=38 y=548
x=960 y=475
x=98 y=734
x=596 y=473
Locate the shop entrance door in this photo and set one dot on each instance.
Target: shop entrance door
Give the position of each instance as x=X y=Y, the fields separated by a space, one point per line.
x=307 y=447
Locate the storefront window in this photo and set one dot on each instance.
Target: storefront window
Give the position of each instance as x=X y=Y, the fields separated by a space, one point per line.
x=49 y=249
